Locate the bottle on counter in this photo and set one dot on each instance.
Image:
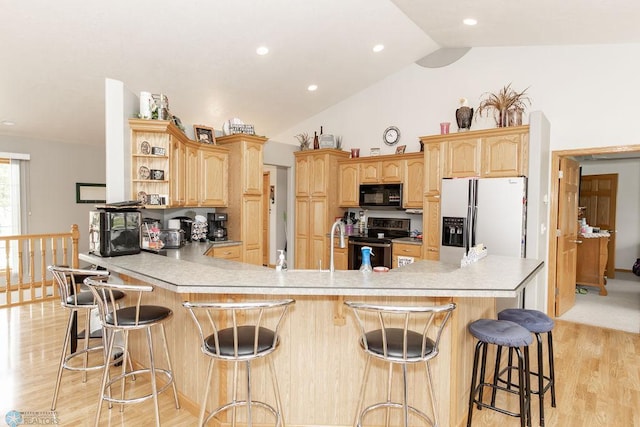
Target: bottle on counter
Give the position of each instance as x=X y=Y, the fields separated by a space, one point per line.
x=365 y=267
x=281 y=265
x=316 y=141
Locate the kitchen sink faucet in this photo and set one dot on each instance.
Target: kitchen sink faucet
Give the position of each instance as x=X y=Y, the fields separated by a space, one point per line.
x=340 y=225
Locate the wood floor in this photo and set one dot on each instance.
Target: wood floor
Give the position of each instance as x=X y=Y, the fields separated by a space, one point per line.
x=598 y=377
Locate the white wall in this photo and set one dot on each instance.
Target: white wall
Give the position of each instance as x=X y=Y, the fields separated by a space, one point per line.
x=54 y=170
x=627 y=209
x=588 y=93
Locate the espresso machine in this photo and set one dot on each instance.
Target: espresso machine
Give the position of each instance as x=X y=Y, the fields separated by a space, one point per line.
x=217 y=226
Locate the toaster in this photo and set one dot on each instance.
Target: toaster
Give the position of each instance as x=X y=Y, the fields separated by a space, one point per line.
x=172 y=239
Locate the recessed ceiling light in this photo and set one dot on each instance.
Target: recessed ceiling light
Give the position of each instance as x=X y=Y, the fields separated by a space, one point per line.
x=378 y=48
x=8 y=123
x=262 y=50
x=312 y=88
x=469 y=21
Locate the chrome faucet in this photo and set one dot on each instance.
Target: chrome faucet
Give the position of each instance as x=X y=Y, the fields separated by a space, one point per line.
x=340 y=225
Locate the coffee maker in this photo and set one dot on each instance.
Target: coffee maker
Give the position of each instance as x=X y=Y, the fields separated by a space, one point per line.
x=217 y=226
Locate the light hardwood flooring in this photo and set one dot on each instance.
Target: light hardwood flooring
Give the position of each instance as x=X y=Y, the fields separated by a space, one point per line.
x=597 y=370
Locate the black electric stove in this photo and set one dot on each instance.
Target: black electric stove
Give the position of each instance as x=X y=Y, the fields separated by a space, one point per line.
x=380 y=233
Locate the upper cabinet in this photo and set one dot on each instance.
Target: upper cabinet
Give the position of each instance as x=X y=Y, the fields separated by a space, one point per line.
x=169 y=170
x=348 y=186
x=413 y=182
x=380 y=171
x=499 y=152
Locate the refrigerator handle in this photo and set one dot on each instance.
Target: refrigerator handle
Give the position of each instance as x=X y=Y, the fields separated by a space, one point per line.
x=474 y=213
x=467 y=228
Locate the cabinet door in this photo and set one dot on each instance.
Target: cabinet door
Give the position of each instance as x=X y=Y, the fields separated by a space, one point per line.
x=502 y=156
x=348 y=187
x=407 y=250
x=340 y=258
x=192 y=163
x=303 y=174
x=252 y=229
x=178 y=174
x=302 y=233
x=413 y=183
x=252 y=169
x=463 y=158
x=431 y=228
x=214 y=177
x=432 y=172
x=318 y=177
x=391 y=171
x=319 y=240
x=370 y=172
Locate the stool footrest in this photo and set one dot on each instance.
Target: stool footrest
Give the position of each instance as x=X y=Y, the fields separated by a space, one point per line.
x=122 y=377
x=239 y=403
x=395 y=405
x=69 y=358
x=513 y=384
x=496 y=408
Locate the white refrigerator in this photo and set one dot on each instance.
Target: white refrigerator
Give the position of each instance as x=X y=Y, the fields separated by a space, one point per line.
x=491 y=211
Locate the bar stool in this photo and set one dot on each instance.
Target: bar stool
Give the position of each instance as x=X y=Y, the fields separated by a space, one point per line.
x=127 y=319
x=391 y=340
x=537 y=323
x=73 y=298
x=501 y=333
x=254 y=333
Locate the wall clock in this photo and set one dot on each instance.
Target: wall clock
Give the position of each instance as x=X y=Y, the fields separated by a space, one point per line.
x=391 y=135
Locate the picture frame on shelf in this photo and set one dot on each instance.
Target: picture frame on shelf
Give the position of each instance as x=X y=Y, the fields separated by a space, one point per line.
x=375 y=151
x=158 y=151
x=204 y=134
x=400 y=149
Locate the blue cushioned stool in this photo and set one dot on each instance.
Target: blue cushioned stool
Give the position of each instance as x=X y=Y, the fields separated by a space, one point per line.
x=538 y=323
x=501 y=333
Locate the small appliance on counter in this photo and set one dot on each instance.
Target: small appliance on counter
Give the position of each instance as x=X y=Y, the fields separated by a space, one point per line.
x=185 y=224
x=114 y=231
x=217 y=226
x=172 y=238
x=199 y=229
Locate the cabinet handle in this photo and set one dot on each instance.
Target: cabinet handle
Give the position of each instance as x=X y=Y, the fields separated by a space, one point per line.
x=575 y=241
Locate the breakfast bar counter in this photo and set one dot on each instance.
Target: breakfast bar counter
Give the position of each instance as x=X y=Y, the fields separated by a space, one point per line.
x=319 y=363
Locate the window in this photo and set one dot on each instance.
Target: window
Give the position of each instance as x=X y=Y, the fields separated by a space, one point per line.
x=13 y=190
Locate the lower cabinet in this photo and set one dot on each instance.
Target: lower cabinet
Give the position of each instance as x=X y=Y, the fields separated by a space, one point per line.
x=405 y=250
x=230 y=252
x=592 y=262
x=340 y=255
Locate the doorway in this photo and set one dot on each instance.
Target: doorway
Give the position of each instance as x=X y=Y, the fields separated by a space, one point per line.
x=557 y=265
x=275 y=190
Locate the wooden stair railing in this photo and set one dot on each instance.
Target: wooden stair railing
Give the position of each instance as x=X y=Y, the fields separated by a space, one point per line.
x=23 y=265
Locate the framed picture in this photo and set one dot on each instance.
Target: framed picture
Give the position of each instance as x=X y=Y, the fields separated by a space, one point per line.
x=375 y=152
x=158 y=151
x=204 y=134
x=91 y=193
x=400 y=149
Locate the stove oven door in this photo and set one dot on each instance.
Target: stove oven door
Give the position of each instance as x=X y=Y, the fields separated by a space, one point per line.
x=381 y=254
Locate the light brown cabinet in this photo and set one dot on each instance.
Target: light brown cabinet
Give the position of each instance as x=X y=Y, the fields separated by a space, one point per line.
x=413 y=182
x=193 y=174
x=431 y=228
x=592 y=262
x=505 y=155
x=244 y=206
x=230 y=252
x=462 y=158
x=340 y=255
x=207 y=174
x=349 y=184
x=381 y=171
x=405 y=250
x=316 y=205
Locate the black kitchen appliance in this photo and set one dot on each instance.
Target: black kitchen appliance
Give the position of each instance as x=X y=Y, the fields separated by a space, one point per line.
x=217 y=226
x=380 y=233
x=114 y=231
x=381 y=196
x=185 y=225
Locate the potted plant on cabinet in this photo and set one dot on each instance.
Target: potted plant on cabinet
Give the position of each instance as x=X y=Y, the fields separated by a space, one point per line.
x=507 y=106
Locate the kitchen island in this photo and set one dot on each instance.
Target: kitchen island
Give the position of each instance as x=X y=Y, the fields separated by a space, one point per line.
x=320 y=363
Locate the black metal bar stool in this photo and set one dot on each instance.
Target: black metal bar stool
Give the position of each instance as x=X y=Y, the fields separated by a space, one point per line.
x=127 y=319
x=391 y=339
x=253 y=333
x=73 y=298
x=537 y=323
x=501 y=333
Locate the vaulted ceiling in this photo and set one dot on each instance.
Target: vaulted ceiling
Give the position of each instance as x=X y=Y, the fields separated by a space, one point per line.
x=202 y=53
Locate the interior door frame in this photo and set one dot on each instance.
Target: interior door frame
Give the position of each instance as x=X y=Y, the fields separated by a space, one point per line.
x=553 y=210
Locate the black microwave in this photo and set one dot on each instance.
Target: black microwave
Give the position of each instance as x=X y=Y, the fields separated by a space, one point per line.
x=381 y=196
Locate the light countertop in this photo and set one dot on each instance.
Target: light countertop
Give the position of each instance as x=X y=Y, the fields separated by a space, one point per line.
x=188 y=270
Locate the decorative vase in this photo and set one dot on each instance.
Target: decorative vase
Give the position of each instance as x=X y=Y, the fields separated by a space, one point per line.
x=464 y=115
x=514 y=117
